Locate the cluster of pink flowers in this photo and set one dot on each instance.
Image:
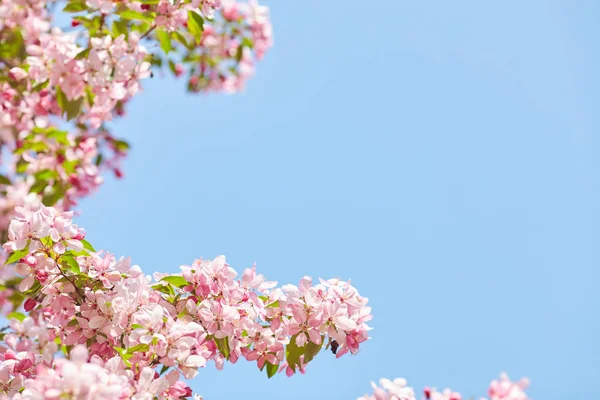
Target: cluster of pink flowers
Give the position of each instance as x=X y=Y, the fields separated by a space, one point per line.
x=229 y=46
x=503 y=389
x=87 y=76
x=83 y=324
x=132 y=325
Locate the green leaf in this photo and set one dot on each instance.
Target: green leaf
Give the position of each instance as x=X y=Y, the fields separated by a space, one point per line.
x=180 y=38
x=223 y=346
x=247 y=42
x=119 y=27
x=178 y=281
x=134 y=15
x=89 y=95
x=69 y=166
x=172 y=67
x=121 y=145
x=195 y=25
x=87 y=245
x=74 y=108
x=163 y=369
x=83 y=54
x=293 y=352
x=312 y=349
x=271 y=369
x=239 y=53
x=71 y=263
x=56 y=194
x=165 y=41
x=136 y=326
x=166 y=289
x=142 y=348
x=45 y=174
x=41 y=86
x=4 y=180
x=22 y=166
x=71 y=107
x=16 y=315
x=59 y=136
x=73 y=322
x=75 y=6
x=38 y=186
x=17 y=255
x=274 y=304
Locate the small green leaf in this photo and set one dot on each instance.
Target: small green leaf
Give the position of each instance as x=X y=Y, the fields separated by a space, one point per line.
x=71 y=107
x=195 y=25
x=38 y=186
x=41 y=86
x=136 y=326
x=239 y=53
x=165 y=41
x=73 y=322
x=89 y=95
x=163 y=369
x=293 y=352
x=16 y=315
x=274 y=304
x=130 y=14
x=178 y=281
x=87 y=245
x=71 y=263
x=312 y=349
x=69 y=166
x=4 y=180
x=59 y=136
x=180 y=38
x=74 y=108
x=271 y=369
x=56 y=194
x=75 y=6
x=247 y=42
x=22 y=166
x=119 y=27
x=172 y=67
x=45 y=174
x=223 y=346
x=166 y=289
x=17 y=255
x=121 y=145
x=141 y=348
x=83 y=54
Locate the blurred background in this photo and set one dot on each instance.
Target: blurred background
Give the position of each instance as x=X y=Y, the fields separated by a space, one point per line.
x=442 y=155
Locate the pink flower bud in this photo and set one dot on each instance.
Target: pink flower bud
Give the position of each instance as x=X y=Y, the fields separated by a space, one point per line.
x=30 y=260
x=178 y=70
x=41 y=275
x=17 y=73
x=29 y=304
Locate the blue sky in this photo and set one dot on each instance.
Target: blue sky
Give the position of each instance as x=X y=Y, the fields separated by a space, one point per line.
x=442 y=155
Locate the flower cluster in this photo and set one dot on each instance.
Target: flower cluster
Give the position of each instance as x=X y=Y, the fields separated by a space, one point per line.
x=503 y=389
x=131 y=325
x=225 y=58
x=59 y=87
